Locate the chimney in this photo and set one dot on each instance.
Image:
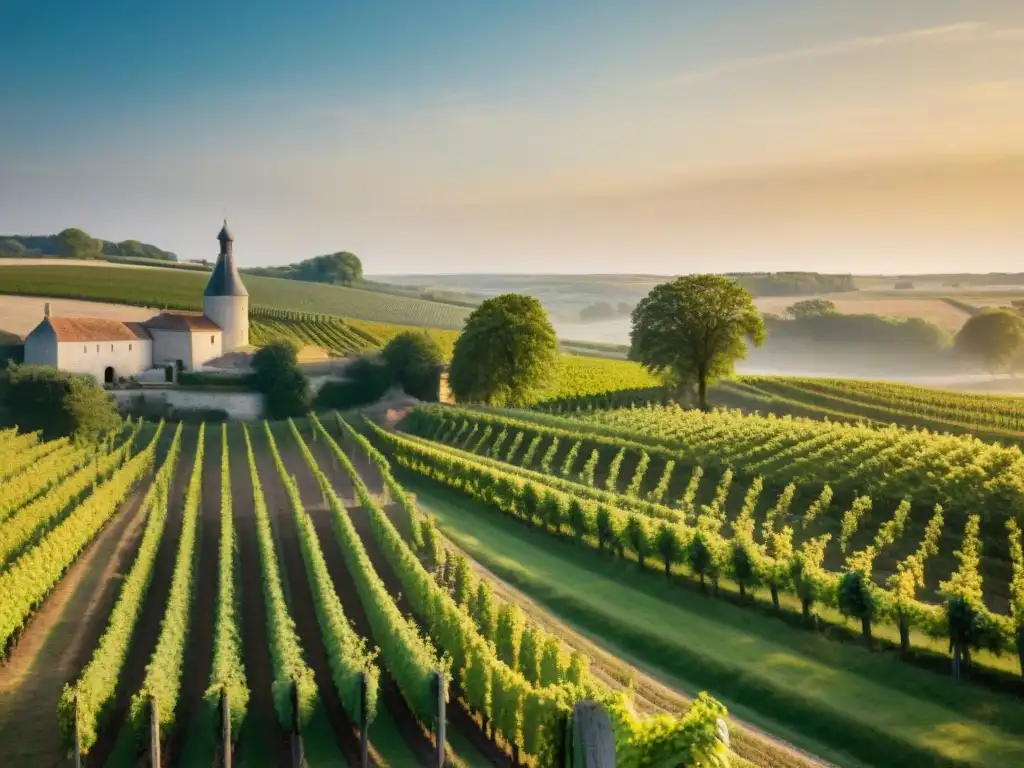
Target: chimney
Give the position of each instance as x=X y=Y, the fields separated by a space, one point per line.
x=46 y=309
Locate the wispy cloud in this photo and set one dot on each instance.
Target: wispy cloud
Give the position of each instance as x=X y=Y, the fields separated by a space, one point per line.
x=970 y=32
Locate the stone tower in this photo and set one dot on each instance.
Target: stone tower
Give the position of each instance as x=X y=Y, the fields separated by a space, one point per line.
x=226 y=301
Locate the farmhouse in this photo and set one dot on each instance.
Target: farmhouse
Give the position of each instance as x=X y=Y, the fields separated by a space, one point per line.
x=110 y=349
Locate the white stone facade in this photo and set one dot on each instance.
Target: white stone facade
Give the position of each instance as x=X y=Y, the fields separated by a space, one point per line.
x=231 y=313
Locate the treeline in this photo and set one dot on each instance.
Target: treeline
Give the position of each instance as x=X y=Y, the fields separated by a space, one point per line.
x=793 y=283
x=78 y=244
x=341 y=268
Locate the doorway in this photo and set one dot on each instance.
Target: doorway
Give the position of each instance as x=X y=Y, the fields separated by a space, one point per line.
x=108 y=375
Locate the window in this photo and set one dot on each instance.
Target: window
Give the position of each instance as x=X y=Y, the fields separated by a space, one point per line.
x=85 y=350
x=111 y=347
x=211 y=339
x=129 y=347
x=97 y=347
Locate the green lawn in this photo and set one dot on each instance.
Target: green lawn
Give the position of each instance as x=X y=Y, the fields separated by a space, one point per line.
x=805 y=688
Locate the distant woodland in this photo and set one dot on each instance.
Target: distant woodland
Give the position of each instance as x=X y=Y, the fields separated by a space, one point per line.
x=77 y=244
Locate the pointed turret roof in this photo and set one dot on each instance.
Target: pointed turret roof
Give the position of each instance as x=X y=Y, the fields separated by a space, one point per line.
x=225 y=280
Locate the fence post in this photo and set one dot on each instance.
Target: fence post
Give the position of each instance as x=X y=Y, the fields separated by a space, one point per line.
x=154 y=732
x=78 y=737
x=298 y=758
x=225 y=714
x=591 y=738
x=364 y=726
x=439 y=730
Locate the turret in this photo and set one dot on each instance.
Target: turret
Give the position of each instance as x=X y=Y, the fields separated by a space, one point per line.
x=225 y=301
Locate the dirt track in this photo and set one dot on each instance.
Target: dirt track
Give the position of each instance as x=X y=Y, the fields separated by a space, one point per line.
x=199 y=649
x=458 y=716
x=59 y=641
x=261 y=733
x=300 y=598
x=390 y=697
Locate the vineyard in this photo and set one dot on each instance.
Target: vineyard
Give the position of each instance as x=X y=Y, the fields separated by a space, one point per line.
x=131 y=571
x=183 y=289
x=880 y=403
x=723 y=505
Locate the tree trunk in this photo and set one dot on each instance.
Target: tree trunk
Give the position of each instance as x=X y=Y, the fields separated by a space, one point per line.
x=865 y=628
x=775 y=596
x=702 y=391
x=805 y=602
x=668 y=569
x=904 y=636
x=743 y=591
x=1020 y=648
x=703 y=586
x=956 y=661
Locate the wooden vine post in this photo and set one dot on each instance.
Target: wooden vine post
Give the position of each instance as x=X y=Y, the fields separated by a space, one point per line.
x=298 y=756
x=225 y=715
x=592 y=740
x=154 y=732
x=439 y=730
x=78 y=737
x=364 y=726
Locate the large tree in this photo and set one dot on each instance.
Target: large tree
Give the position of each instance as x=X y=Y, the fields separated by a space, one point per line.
x=278 y=376
x=58 y=403
x=76 y=244
x=506 y=352
x=694 y=329
x=415 y=358
x=995 y=337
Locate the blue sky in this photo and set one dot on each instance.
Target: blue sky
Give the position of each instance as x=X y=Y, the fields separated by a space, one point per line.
x=524 y=136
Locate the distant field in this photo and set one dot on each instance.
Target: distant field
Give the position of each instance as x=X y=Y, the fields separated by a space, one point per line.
x=20 y=314
x=944 y=314
x=182 y=289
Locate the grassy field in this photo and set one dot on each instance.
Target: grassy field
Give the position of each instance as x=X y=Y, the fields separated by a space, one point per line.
x=757 y=666
x=182 y=289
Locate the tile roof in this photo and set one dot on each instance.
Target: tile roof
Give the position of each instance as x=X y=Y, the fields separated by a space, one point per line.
x=95 y=329
x=181 y=321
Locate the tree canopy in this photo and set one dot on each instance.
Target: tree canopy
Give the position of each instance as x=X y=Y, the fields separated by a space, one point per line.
x=995 y=337
x=694 y=329
x=506 y=352
x=278 y=376
x=414 y=359
x=811 y=308
x=76 y=244
x=341 y=268
x=58 y=403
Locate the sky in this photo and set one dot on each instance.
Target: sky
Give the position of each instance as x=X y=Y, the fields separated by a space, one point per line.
x=654 y=136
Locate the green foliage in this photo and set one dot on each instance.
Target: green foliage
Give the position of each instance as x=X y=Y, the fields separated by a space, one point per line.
x=589 y=468
x=228 y=672
x=658 y=494
x=163 y=674
x=851 y=520
x=350 y=659
x=59 y=404
x=484 y=613
x=663 y=740
x=811 y=308
x=76 y=244
x=694 y=329
x=366 y=381
x=26 y=582
x=414 y=359
x=636 y=484
x=95 y=688
x=570 y=459
x=286 y=654
x=505 y=354
x=509 y=633
x=341 y=268
x=995 y=337
x=278 y=376
x=612 y=481
x=549 y=457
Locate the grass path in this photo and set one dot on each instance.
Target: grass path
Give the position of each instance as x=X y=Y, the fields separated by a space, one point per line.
x=756 y=666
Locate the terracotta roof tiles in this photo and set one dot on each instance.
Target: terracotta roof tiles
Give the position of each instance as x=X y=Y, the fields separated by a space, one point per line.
x=95 y=329
x=181 y=321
